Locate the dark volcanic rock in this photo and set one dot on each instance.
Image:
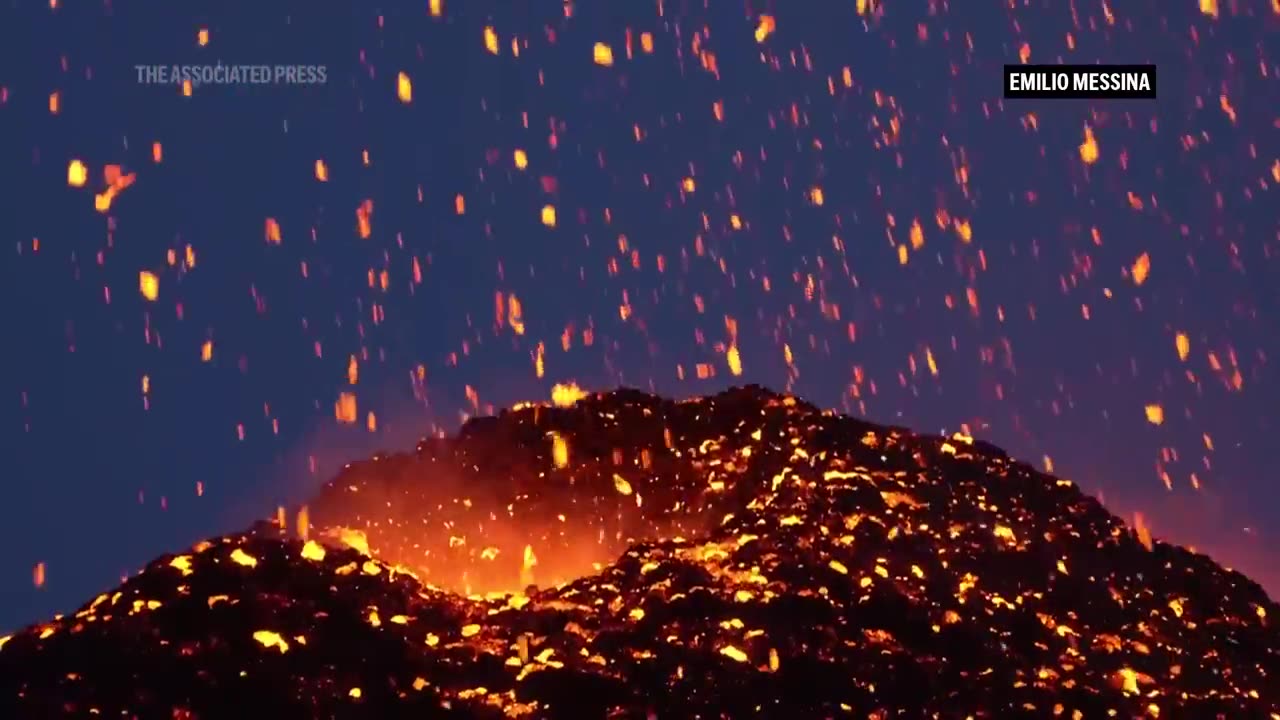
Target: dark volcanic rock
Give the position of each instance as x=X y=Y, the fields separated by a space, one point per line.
x=733 y=556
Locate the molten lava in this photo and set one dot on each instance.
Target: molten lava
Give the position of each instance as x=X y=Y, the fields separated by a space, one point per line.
x=740 y=555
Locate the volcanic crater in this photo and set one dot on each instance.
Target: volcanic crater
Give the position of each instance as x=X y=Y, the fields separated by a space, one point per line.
x=624 y=555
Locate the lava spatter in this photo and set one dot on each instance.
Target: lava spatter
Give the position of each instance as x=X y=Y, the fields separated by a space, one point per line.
x=743 y=554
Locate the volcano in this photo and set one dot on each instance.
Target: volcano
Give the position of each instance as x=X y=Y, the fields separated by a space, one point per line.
x=624 y=555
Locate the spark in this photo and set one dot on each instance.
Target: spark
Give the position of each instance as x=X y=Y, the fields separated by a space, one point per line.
x=404 y=88
x=77 y=174
x=148 y=285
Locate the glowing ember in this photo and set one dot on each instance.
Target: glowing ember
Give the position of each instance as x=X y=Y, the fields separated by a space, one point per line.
x=565 y=395
x=77 y=174
x=603 y=54
x=404 y=88
x=148 y=285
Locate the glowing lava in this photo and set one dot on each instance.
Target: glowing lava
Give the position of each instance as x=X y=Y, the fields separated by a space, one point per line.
x=761 y=557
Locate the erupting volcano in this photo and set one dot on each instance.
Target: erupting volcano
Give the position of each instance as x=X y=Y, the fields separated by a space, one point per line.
x=740 y=555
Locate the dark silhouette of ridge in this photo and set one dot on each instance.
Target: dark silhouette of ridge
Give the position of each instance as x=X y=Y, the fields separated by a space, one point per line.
x=738 y=555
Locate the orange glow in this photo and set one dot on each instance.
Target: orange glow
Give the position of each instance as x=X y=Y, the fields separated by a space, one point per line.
x=1141 y=269
x=404 y=88
x=1155 y=414
x=148 y=285
x=565 y=395
x=345 y=409
x=765 y=28
x=1089 y=148
x=77 y=174
x=603 y=54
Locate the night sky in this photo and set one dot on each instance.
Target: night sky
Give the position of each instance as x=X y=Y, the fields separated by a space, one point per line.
x=826 y=197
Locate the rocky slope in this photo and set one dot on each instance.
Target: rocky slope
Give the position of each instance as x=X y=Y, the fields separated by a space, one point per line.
x=623 y=555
